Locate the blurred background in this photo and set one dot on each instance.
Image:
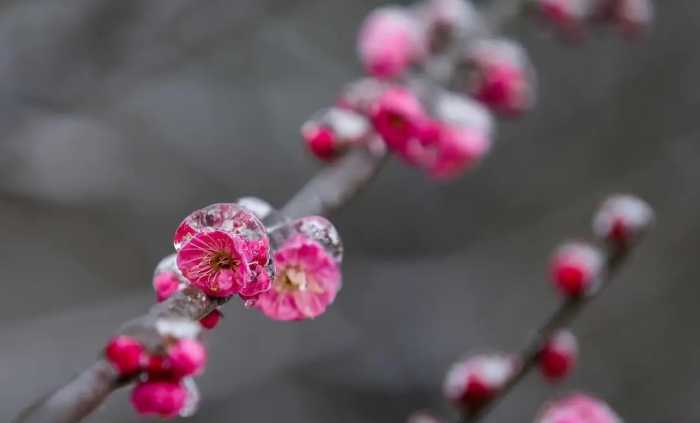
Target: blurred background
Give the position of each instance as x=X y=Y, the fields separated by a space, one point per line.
x=119 y=118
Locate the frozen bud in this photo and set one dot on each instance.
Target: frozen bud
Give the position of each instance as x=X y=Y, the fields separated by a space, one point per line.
x=389 y=41
x=622 y=219
x=566 y=15
x=632 y=16
x=448 y=21
x=558 y=356
x=499 y=74
x=223 y=249
x=576 y=269
x=211 y=320
x=159 y=367
x=473 y=382
x=187 y=357
x=422 y=417
x=331 y=131
x=159 y=398
x=577 y=408
x=126 y=355
x=455 y=149
x=398 y=117
x=165 y=284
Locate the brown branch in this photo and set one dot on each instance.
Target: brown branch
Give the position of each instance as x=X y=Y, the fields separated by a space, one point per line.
x=560 y=319
x=326 y=192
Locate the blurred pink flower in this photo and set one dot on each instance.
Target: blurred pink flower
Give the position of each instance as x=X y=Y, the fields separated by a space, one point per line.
x=126 y=354
x=211 y=320
x=558 y=356
x=473 y=381
x=455 y=149
x=187 y=357
x=399 y=118
x=162 y=398
x=389 y=41
x=576 y=269
x=622 y=219
x=578 y=408
x=307 y=281
x=165 y=284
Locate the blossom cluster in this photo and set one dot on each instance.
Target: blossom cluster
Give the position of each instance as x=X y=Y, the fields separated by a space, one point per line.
x=578 y=270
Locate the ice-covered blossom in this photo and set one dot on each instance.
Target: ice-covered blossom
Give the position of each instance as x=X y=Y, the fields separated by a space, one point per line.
x=306 y=282
x=472 y=382
x=576 y=269
x=187 y=357
x=449 y=21
x=126 y=354
x=558 y=356
x=631 y=16
x=448 y=150
x=211 y=320
x=223 y=249
x=577 y=408
x=399 y=117
x=161 y=398
x=622 y=219
x=389 y=41
x=165 y=284
x=499 y=74
x=331 y=131
x=568 y=16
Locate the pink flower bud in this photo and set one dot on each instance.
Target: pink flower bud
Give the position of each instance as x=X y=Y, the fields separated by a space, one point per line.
x=456 y=149
x=331 y=131
x=389 y=41
x=632 y=16
x=211 y=320
x=474 y=381
x=160 y=398
x=165 y=284
x=577 y=408
x=500 y=76
x=622 y=219
x=568 y=16
x=398 y=117
x=576 y=268
x=187 y=357
x=558 y=356
x=126 y=354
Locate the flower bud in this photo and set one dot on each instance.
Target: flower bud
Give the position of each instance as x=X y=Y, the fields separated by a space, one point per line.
x=126 y=354
x=558 y=356
x=473 y=382
x=576 y=269
x=622 y=219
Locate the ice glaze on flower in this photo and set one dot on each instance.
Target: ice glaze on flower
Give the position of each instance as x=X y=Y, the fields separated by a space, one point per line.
x=306 y=282
x=331 y=131
x=568 y=16
x=578 y=408
x=558 y=356
x=187 y=357
x=447 y=21
x=165 y=284
x=223 y=249
x=622 y=219
x=576 y=269
x=160 y=398
x=389 y=41
x=398 y=117
x=455 y=149
x=472 y=382
x=126 y=354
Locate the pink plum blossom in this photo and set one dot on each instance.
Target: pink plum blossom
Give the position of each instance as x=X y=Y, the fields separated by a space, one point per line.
x=389 y=41
x=455 y=149
x=474 y=381
x=160 y=398
x=578 y=408
x=399 y=118
x=165 y=284
x=307 y=281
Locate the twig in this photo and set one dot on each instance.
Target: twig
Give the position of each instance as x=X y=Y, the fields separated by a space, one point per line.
x=326 y=192
x=561 y=318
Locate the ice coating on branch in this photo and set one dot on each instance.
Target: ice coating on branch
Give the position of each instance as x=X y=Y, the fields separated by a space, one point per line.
x=498 y=73
x=457 y=109
x=308 y=277
x=259 y=207
x=177 y=328
x=193 y=398
x=475 y=380
x=576 y=269
x=558 y=356
x=223 y=249
x=577 y=408
x=389 y=41
x=622 y=219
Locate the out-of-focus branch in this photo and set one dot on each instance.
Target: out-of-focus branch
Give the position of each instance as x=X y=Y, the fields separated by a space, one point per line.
x=560 y=318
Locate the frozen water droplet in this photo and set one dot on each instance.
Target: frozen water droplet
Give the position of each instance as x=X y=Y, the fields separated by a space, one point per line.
x=322 y=231
x=259 y=207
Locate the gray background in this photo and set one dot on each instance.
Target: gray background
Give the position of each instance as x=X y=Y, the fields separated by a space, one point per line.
x=119 y=117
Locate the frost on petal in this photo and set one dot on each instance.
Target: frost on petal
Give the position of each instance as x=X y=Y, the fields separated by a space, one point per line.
x=449 y=21
x=330 y=132
x=622 y=219
x=577 y=408
x=475 y=380
x=576 y=268
x=307 y=280
x=193 y=398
